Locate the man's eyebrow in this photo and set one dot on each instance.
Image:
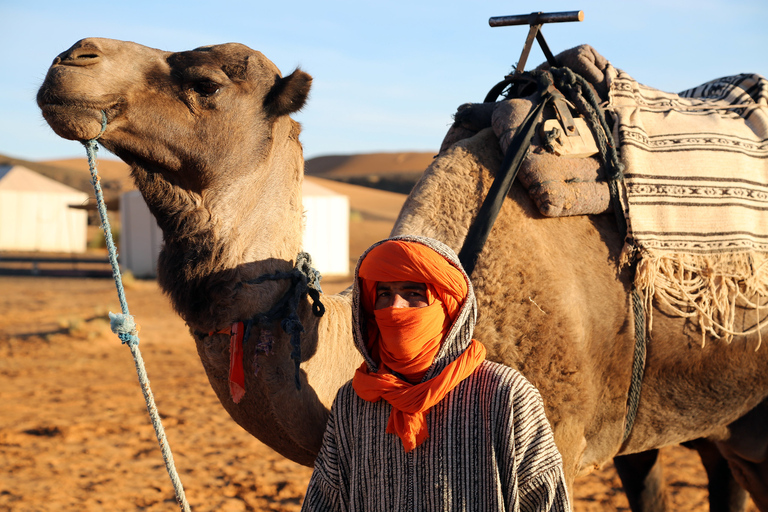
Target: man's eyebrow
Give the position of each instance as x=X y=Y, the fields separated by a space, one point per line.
x=384 y=285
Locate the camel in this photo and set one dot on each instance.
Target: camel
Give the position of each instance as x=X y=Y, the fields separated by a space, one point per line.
x=214 y=152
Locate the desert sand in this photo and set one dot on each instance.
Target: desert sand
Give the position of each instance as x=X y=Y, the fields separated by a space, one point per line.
x=74 y=430
x=75 y=434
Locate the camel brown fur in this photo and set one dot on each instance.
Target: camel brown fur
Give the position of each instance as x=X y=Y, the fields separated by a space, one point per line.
x=228 y=214
x=218 y=160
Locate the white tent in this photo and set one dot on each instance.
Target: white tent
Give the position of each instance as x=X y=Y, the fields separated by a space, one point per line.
x=140 y=236
x=326 y=229
x=326 y=232
x=35 y=213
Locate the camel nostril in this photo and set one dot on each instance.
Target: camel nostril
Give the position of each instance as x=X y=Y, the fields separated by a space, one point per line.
x=76 y=58
x=82 y=54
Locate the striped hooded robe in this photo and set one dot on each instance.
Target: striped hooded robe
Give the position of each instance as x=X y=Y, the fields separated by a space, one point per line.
x=490 y=446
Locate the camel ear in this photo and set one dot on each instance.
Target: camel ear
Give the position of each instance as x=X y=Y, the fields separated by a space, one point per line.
x=288 y=94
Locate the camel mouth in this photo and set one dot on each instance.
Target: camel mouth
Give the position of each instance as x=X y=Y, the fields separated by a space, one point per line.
x=74 y=121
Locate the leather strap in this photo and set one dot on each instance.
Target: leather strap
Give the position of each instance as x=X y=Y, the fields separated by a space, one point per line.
x=486 y=216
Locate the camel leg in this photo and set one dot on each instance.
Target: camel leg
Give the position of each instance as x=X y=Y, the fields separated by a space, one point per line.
x=754 y=477
x=641 y=476
x=747 y=453
x=734 y=467
x=725 y=493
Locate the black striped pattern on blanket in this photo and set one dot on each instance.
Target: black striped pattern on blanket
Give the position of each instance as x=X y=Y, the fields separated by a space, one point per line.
x=695 y=195
x=696 y=165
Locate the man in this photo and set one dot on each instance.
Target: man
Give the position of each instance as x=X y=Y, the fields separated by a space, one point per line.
x=427 y=423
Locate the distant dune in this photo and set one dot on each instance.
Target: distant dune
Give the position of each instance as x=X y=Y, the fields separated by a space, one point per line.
x=337 y=166
x=75 y=173
x=108 y=168
x=372 y=204
x=395 y=172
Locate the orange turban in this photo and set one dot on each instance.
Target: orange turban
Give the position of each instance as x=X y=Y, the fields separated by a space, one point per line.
x=406 y=340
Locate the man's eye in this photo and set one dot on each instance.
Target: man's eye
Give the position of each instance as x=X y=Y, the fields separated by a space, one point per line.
x=206 y=88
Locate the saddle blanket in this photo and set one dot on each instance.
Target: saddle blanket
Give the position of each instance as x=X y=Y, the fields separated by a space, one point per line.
x=695 y=195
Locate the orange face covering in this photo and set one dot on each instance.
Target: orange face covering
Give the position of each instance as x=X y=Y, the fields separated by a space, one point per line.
x=406 y=340
x=409 y=338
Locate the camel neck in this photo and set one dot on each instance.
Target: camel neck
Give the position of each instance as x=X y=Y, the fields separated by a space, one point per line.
x=247 y=222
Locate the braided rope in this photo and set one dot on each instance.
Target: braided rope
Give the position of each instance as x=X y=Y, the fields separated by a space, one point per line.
x=638 y=363
x=125 y=327
x=581 y=93
x=583 y=97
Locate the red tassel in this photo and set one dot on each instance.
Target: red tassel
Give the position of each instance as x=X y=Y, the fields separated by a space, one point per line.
x=236 y=372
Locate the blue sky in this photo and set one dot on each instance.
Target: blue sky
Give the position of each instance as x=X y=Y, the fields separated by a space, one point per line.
x=387 y=75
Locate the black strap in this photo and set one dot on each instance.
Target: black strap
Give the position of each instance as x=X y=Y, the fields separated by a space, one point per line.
x=513 y=159
x=497 y=89
x=510 y=166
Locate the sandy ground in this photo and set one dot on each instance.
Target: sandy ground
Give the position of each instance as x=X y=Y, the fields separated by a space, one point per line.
x=75 y=434
x=74 y=430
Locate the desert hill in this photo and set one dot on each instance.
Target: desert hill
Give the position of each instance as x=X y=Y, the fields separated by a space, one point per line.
x=74 y=172
x=394 y=172
x=368 y=163
x=371 y=203
x=109 y=169
x=376 y=208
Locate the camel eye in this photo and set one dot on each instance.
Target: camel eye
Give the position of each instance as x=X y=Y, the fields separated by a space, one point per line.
x=206 y=88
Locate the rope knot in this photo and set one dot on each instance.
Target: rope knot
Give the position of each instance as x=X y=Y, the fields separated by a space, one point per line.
x=125 y=327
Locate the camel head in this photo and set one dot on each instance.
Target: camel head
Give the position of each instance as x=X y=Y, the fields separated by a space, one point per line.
x=166 y=111
x=212 y=149
x=217 y=158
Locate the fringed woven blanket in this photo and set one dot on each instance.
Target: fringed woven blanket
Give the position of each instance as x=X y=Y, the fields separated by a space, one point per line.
x=696 y=197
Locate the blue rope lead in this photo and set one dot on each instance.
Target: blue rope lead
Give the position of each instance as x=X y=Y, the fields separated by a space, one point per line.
x=125 y=327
